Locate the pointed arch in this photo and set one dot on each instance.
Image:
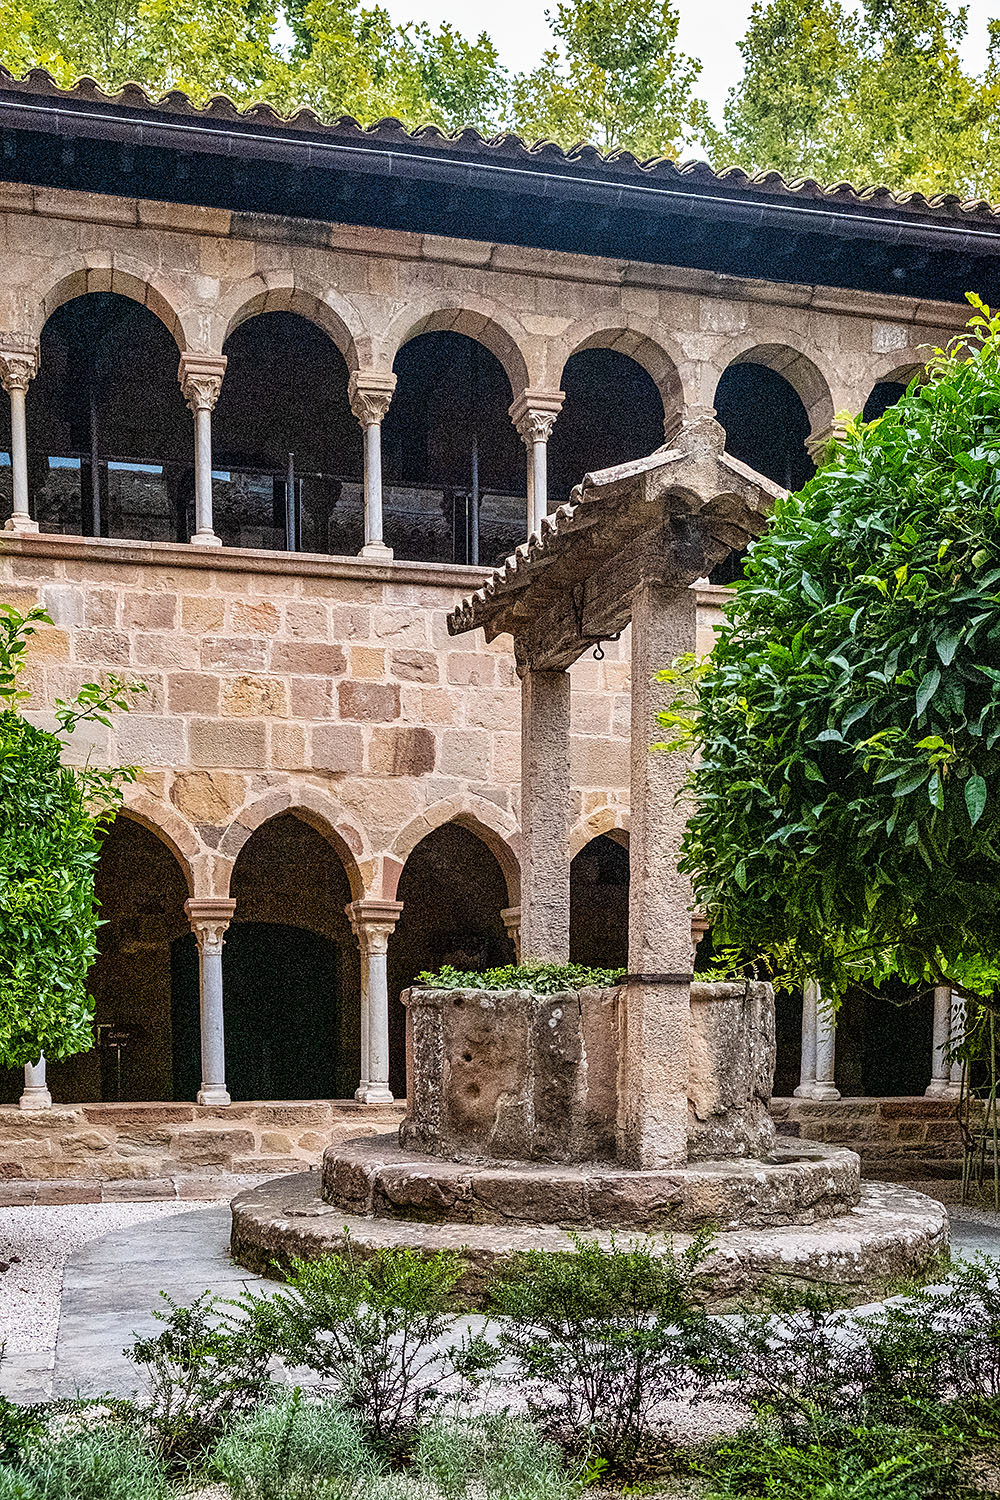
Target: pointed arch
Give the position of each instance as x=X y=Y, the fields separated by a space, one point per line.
x=168 y=826
x=312 y=807
x=609 y=820
x=496 y=829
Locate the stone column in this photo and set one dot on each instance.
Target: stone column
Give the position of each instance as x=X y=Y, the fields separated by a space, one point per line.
x=819 y=441
x=370 y=394
x=655 y=1015
x=946 y=1077
x=209 y=917
x=373 y=923
x=511 y=918
x=36 y=1091
x=17 y=369
x=200 y=376
x=545 y=725
x=819 y=1043
x=533 y=413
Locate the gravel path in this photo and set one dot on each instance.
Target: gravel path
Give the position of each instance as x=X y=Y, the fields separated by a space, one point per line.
x=34 y=1245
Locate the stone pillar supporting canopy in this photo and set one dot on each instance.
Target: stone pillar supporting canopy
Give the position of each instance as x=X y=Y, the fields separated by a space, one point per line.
x=200 y=376
x=819 y=1044
x=36 y=1091
x=370 y=393
x=209 y=917
x=17 y=370
x=949 y=1026
x=533 y=414
x=373 y=922
x=545 y=726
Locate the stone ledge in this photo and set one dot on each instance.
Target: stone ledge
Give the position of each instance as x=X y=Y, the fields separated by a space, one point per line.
x=25 y=1194
x=889 y=1233
x=796 y=1185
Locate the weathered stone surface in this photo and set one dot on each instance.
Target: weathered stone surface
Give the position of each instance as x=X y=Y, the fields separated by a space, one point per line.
x=208 y=797
x=731 y=1065
x=889 y=1232
x=797 y=1185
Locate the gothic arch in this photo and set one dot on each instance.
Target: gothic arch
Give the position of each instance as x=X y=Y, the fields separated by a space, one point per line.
x=122 y=277
x=496 y=829
x=291 y=292
x=609 y=820
x=478 y=319
x=169 y=827
x=311 y=807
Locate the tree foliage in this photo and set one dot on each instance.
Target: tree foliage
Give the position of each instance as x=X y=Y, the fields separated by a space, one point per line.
x=847 y=814
x=876 y=95
x=51 y=821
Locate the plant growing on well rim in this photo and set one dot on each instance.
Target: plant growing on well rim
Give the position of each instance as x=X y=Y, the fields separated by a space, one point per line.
x=848 y=719
x=52 y=818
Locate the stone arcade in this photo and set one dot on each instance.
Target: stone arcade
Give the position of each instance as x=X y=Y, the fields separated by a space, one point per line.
x=640 y=1108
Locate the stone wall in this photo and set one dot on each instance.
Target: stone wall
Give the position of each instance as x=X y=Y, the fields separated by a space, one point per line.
x=899 y=1139
x=89 y=1152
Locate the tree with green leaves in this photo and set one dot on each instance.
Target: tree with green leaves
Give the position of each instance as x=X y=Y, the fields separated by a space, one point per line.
x=847 y=796
x=619 y=82
x=878 y=96
x=52 y=818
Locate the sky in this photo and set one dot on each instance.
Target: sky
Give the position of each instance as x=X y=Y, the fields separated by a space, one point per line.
x=709 y=30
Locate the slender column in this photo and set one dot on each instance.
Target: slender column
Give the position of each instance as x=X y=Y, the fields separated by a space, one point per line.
x=370 y=393
x=545 y=724
x=655 y=1013
x=946 y=1077
x=373 y=923
x=209 y=918
x=36 y=1091
x=533 y=414
x=200 y=376
x=511 y=918
x=17 y=368
x=819 y=1047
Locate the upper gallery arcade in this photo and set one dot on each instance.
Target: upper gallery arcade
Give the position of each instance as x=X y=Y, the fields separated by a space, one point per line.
x=277 y=395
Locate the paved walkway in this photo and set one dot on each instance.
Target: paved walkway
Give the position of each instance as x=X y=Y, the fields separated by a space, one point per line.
x=111 y=1286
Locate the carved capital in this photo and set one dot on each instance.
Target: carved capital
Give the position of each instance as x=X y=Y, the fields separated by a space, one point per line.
x=373 y=923
x=533 y=414
x=818 y=443
x=370 y=393
x=200 y=376
x=18 y=367
x=209 y=917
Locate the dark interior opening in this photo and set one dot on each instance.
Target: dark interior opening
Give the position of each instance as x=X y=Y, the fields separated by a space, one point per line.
x=613 y=412
x=885 y=394
x=598 y=903
x=453 y=891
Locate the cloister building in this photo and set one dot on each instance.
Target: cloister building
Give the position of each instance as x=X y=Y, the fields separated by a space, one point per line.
x=279 y=394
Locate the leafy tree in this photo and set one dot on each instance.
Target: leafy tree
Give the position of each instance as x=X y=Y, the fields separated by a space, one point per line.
x=847 y=819
x=51 y=821
x=880 y=96
x=621 y=84
x=203 y=47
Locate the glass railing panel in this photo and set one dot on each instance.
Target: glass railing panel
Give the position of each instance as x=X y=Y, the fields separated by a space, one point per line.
x=144 y=501
x=428 y=523
x=56 y=483
x=6 y=487
x=330 y=515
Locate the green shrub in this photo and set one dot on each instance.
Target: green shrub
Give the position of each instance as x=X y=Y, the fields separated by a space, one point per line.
x=598 y=1339
x=295 y=1449
x=497 y=1456
x=199 y=1373
x=19 y=1426
x=541 y=979
x=15 y=1484
x=371 y=1326
x=103 y=1463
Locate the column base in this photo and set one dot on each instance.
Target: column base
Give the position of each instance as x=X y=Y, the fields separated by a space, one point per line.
x=819 y=1091
x=35 y=1099
x=206 y=539
x=20 y=523
x=943 y=1088
x=377 y=551
x=213 y=1094
x=373 y=1093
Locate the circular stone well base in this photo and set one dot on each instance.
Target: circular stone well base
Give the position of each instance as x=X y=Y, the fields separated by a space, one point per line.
x=799 y=1183
x=890 y=1233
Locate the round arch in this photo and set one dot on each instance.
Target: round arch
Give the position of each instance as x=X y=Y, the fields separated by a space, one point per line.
x=805 y=373
x=645 y=346
x=124 y=279
x=296 y=294
x=311 y=807
x=495 y=829
x=486 y=324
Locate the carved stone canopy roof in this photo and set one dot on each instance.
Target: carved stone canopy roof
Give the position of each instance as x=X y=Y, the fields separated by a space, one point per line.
x=670 y=517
